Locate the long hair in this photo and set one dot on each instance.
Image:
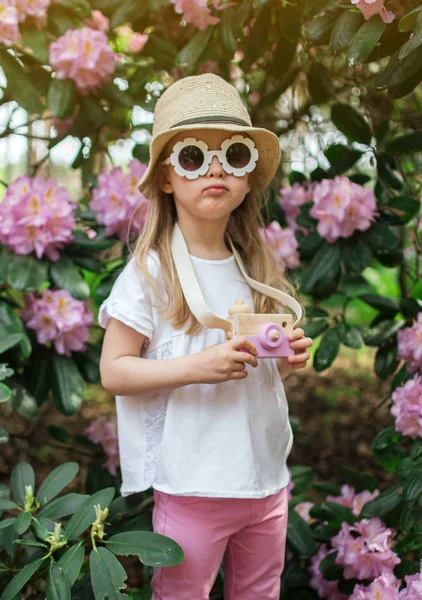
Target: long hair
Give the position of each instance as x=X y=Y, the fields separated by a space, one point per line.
x=243 y=229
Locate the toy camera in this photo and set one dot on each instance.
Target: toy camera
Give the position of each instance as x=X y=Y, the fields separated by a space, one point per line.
x=268 y=333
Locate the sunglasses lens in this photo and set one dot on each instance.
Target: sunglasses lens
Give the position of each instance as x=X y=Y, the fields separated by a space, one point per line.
x=191 y=158
x=238 y=155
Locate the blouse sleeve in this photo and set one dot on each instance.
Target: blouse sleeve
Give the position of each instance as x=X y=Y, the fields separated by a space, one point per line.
x=129 y=301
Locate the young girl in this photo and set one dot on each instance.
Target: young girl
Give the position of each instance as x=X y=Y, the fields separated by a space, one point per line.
x=201 y=419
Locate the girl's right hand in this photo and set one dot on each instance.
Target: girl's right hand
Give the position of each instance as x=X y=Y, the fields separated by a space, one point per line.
x=221 y=362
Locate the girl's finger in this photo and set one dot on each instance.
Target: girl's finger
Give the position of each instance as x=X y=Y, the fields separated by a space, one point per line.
x=242 y=341
x=302 y=343
x=297 y=358
x=296 y=334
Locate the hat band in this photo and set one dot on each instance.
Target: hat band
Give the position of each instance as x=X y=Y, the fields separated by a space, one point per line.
x=212 y=119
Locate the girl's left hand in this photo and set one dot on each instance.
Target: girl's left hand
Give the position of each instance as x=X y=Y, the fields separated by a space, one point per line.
x=298 y=343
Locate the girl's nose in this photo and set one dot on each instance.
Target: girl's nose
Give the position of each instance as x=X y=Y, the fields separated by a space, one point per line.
x=215 y=166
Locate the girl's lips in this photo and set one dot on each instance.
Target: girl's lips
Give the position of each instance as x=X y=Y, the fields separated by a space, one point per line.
x=215 y=189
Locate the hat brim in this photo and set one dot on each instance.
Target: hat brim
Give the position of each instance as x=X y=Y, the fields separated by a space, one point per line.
x=266 y=142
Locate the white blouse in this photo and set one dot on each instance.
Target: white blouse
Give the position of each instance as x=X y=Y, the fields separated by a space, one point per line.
x=228 y=439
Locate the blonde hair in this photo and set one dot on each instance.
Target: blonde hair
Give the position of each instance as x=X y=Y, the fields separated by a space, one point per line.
x=243 y=229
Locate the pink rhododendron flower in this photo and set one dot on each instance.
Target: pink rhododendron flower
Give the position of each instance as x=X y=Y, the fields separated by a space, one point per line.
x=325 y=588
x=291 y=200
x=351 y=500
x=368 y=555
x=410 y=345
x=370 y=8
x=407 y=407
x=283 y=245
x=84 y=56
x=342 y=207
x=303 y=509
x=137 y=42
x=103 y=431
x=36 y=215
x=59 y=318
x=97 y=21
x=117 y=202
x=9 y=23
x=195 y=12
x=34 y=9
x=386 y=586
x=413 y=591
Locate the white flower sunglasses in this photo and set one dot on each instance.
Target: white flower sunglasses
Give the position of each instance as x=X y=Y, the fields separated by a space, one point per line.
x=192 y=158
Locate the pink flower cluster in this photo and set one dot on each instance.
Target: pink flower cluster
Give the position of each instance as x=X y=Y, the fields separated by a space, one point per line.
x=407 y=407
x=283 y=245
x=370 y=8
x=368 y=555
x=9 y=23
x=117 y=202
x=291 y=200
x=197 y=12
x=410 y=345
x=36 y=215
x=84 y=56
x=324 y=587
x=104 y=432
x=97 y=21
x=386 y=586
x=132 y=41
x=59 y=318
x=13 y=12
x=341 y=207
x=350 y=499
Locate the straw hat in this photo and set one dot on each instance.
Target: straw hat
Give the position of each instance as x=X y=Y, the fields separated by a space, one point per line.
x=207 y=101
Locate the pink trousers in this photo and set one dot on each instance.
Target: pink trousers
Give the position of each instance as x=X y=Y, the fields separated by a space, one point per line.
x=249 y=534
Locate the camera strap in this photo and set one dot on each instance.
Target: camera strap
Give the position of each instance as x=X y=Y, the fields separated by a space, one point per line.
x=193 y=293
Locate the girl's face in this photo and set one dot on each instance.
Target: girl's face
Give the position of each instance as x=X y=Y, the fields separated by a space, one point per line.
x=191 y=195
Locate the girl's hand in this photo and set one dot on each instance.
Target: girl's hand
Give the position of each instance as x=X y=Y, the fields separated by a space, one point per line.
x=222 y=362
x=298 y=343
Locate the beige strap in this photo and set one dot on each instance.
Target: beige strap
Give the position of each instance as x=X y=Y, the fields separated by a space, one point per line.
x=193 y=293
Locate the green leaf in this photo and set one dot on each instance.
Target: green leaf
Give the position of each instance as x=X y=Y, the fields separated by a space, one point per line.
x=381 y=237
x=107 y=575
x=350 y=336
x=341 y=158
x=411 y=45
x=332 y=512
x=386 y=306
x=19 y=84
x=315 y=328
x=22 y=401
x=5 y=391
x=85 y=514
x=61 y=97
x=55 y=481
x=67 y=385
x=410 y=142
x=402 y=209
x=299 y=536
x=27 y=273
x=386 y=361
x=382 y=504
x=351 y=123
x=81 y=241
x=10 y=319
x=8 y=505
x=412 y=487
x=23 y=521
x=319 y=83
x=63 y=506
x=408 y=22
x=22 y=475
x=375 y=336
x=343 y=31
x=17 y=583
x=325 y=267
x=66 y=275
x=355 y=255
x=365 y=40
x=191 y=54
x=318 y=29
x=58 y=587
x=89 y=363
x=8 y=339
x=7 y=522
x=330 y=569
x=71 y=562
x=30 y=543
x=34 y=42
x=328 y=350
x=152 y=548
x=116 y=96
x=4 y=435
